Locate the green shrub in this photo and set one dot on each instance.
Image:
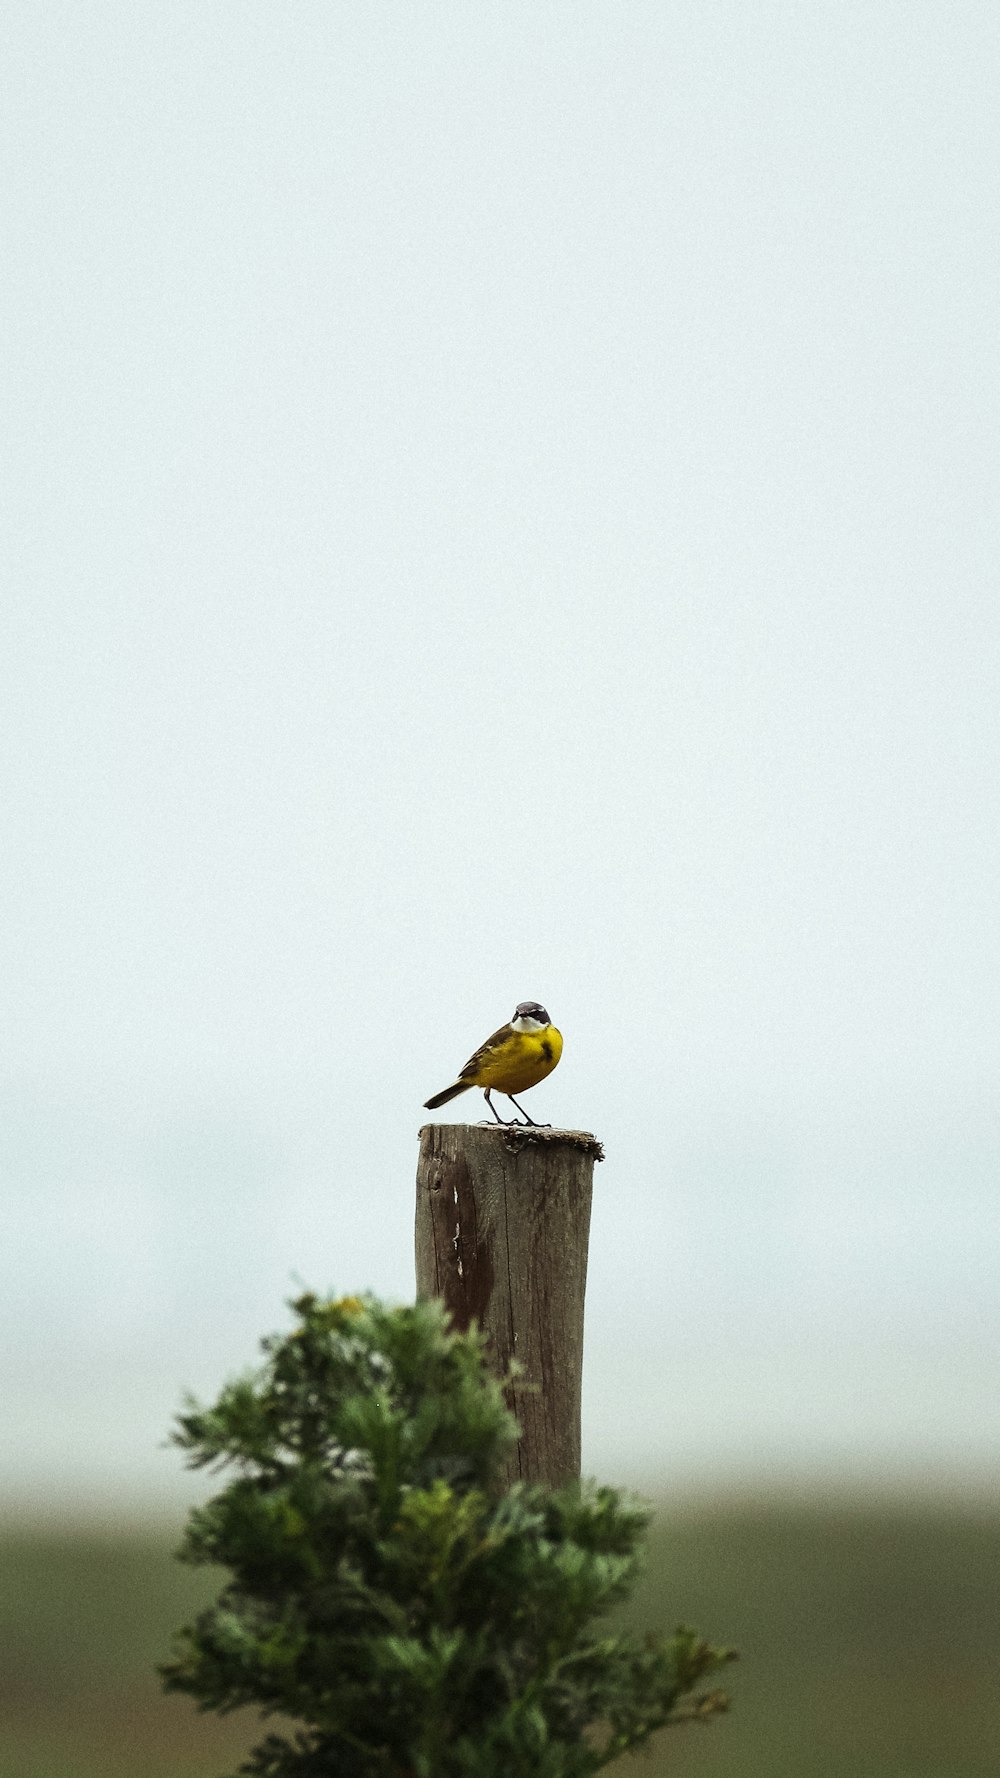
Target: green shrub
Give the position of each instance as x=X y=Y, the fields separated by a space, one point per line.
x=416 y=1621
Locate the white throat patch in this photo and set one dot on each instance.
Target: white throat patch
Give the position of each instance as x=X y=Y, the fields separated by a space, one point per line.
x=523 y=1024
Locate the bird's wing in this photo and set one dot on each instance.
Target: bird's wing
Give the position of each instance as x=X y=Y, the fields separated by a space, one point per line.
x=488 y=1048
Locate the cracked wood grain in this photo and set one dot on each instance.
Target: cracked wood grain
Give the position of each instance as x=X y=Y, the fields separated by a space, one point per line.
x=502 y=1226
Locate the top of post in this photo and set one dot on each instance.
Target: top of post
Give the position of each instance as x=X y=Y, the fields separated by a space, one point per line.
x=516 y=1137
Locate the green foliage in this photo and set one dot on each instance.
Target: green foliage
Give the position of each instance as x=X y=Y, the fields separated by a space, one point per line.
x=415 y=1621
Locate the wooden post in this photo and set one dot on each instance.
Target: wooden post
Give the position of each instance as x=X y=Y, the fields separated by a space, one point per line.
x=503 y=1217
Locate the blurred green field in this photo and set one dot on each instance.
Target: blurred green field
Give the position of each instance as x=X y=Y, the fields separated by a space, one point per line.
x=869 y=1639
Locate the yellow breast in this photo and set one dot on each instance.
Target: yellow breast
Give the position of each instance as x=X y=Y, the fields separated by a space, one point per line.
x=520 y=1061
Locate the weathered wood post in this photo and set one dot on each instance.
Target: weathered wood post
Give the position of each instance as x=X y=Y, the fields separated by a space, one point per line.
x=503 y=1219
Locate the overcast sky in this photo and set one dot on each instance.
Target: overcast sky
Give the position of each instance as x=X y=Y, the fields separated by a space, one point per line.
x=501 y=502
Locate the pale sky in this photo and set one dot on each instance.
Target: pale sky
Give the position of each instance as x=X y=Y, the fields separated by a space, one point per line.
x=501 y=502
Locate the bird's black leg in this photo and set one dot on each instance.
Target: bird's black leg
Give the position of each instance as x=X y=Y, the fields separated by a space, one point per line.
x=527 y=1119
x=489 y=1101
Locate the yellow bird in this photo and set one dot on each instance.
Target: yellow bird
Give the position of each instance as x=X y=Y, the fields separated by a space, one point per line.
x=515 y=1058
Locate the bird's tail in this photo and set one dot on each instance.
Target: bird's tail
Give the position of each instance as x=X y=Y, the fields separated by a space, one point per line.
x=460 y=1086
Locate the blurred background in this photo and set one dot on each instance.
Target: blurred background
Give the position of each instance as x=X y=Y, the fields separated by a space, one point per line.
x=500 y=503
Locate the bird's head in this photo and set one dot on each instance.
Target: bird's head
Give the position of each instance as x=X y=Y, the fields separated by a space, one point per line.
x=529 y=1016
